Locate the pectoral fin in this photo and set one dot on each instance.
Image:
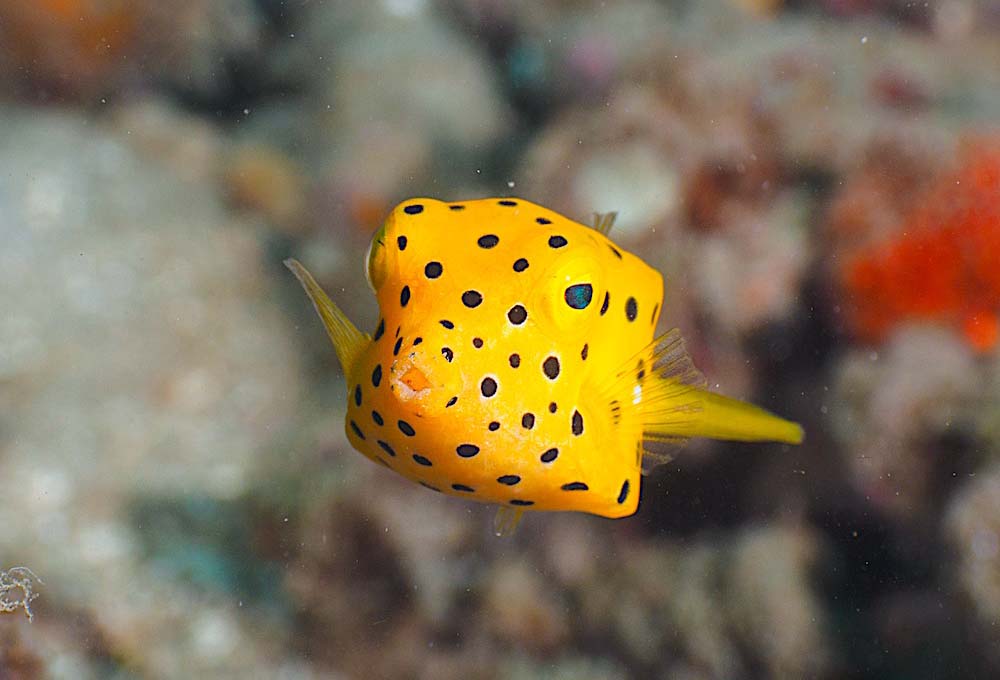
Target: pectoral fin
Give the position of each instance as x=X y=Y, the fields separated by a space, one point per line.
x=347 y=340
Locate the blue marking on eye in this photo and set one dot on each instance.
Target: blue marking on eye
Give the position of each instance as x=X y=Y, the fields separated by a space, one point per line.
x=578 y=296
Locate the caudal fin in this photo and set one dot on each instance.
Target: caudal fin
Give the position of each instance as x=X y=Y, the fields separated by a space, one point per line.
x=672 y=402
x=347 y=340
x=718 y=417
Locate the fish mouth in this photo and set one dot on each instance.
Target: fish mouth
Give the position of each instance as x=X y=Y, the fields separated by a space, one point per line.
x=417 y=383
x=412 y=382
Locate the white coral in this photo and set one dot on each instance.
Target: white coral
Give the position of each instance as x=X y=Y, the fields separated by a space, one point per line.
x=17 y=590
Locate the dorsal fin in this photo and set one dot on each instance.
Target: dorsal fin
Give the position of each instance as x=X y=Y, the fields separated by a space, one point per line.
x=603 y=222
x=671 y=361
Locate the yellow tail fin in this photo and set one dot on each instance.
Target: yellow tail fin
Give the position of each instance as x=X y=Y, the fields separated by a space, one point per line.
x=347 y=340
x=674 y=405
x=712 y=415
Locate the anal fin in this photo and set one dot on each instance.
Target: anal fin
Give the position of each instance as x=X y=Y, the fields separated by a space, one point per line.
x=506 y=520
x=653 y=459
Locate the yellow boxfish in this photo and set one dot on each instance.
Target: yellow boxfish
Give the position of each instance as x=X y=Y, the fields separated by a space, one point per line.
x=514 y=361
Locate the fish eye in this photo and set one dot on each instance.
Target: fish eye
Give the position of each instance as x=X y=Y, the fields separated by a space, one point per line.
x=578 y=296
x=375 y=247
x=564 y=288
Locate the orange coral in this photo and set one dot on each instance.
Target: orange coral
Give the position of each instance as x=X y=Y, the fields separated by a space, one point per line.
x=943 y=264
x=70 y=46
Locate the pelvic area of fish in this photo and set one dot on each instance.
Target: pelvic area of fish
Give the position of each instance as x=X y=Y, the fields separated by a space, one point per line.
x=514 y=361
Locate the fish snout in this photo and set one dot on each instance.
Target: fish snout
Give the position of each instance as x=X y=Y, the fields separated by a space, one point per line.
x=419 y=379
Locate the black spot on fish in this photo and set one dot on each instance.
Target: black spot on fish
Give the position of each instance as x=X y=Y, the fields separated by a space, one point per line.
x=507 y=204
x=509 y=480
x=517 y=315
x=551 y=368
x=447 y=324
x=488 y=387
x=406 y=428
x=417 y=341
x=467 y=450
x=432 y=270
x=520 y=264
x=656 y=308
x=575 y=486
x=451 y=402
x=623 y=494
x=377 y=417
x=604 y=305
x=357 y=430
x=493 y=426
x=397 y=346
x=557 y=242
x=577 y=423
x=421 y=460
x=515 y=360
x=550 y=455
x=518 y=501
x=585 y=351
x=472 y=298
x=553 y=407
x=463 y=488
x=385 y=447
x=456 y=207
x=631 y=309
x=477 y=343
x=413 y=209
x=404 y=296
x=377 y=375
x=488 y=241
x=380 y=330
x=543 y=220
x=528 y=421
x=428 y=486
x=357 y=395
x=448 y=354
x=401 y=242
x=617 y=252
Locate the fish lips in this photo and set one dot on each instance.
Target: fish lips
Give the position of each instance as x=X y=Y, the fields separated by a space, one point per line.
x=423 y=382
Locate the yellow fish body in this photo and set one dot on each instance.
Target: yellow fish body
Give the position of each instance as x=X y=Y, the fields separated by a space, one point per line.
x=515 y=363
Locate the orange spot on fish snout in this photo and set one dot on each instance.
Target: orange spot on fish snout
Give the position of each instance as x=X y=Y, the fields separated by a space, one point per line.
x=409 y=381
x=423 y=381
x=415 y=379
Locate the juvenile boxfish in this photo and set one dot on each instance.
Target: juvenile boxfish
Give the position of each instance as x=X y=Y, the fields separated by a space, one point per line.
x=514 y=361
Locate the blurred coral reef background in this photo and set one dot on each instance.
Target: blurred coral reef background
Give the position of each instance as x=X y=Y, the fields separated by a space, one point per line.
x=818 y=180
